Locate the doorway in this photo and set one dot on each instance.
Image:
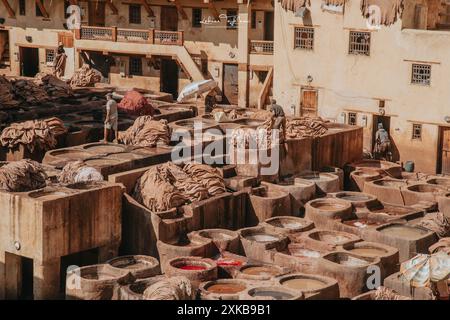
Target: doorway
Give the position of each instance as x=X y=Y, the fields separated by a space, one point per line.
x=268 y=25
x=385 y=121
x=29 y=61
x=170 y=20
x=444 y=151
x=96 y=13
x=230 y=92
x=308 y=102
x=169 y=75
x=19 y=277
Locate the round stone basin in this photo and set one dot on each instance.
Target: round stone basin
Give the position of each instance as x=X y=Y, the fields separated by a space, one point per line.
x=302 y=252
x=217 y=234
x=367 y=250
x=366 y=173
x=90 y=123
x=390 y=183
x=303 y=283
x=403 y=231
x=70 y=154
x=288 y=223
x=261 y=270
x=262 y=237
x=317 y=177
x=189 y=264
x=104 y=148
x=225 y=286
x=426 y=188
x=97 y=272
x=327 y=205
x=355 y=196
x=102 y=162
x=440 y=182
x=47 y=194
x=270 y=293
x=391 y=211
x=348 y=260
x=362 y=223
x=331 y=237
x=190 y=123
x=133 y=262
x=85 y=185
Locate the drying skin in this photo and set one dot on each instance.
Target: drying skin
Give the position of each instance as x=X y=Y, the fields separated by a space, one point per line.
x=442 y=245
x=174 y=288
x=78 y=171
x=334 y=2
x=146 y=132
x=7 y=99
x=261 y=137
x=391 y=10
x=438 y=223
x=135 y=103
x=33 y=134
x=305 y=128
x=85 y=77
x=23 y=175
x=56 y=88
x=29 y=91
x=383 y=293
x=168 y=186
x=294 y=5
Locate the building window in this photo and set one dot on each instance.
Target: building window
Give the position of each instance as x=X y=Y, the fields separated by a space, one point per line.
x=304 y=38
x=38 y=10
x=352 y=116
x=232 y=19
x=417 y=131
x=49 y=56
x=196 y=17
x=359 y=43
x=135 y=66
x=253 y=22
x=22 y=7
x=134 y=13
x=421 y=74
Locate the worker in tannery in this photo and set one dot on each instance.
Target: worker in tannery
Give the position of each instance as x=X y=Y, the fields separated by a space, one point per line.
x=279 y=118
x=111 y=119
x=59 y=65
x=382 y=148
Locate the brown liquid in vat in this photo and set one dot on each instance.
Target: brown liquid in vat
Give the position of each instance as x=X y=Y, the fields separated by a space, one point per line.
x=226 y=288
x=303 y=283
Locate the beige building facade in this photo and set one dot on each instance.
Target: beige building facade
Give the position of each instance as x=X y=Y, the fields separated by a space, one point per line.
x=333 y=63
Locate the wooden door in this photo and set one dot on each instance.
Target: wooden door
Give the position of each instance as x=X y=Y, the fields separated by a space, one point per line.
x=268 y=25
x=97 y=13
x=29 y=61
x=230 y=83
x=169 y=18
x=445 y=150
x=308 y=104
x=169 y=77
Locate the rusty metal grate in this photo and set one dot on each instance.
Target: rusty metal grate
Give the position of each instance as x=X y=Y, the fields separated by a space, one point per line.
x=304 y=38
x=421 y=74
x=359 y=43
x=258 y=46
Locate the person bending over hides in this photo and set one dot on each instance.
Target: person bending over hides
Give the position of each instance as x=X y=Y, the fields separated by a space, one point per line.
x=279 y=117
x=111 y=120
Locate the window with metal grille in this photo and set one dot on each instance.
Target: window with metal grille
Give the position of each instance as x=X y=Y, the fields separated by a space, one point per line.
x=38 y=10
x=196 y=17
x=49 y=56
x=22 y=7
x=421 y=74
x=232 y=19
x=134 y=13
x=253 y=22
x=304 y=38
x=135 y=66
x=359 y=43
x=417 y=131
x=352 y=117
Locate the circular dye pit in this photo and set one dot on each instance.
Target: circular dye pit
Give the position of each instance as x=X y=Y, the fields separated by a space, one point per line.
x=261 y=270
x=286 y=223
x=347 y=260
x=229 y=262
x=70 y=154
x=440 y=182
x=190 y=267
x=327 y=205
x=262 y=237
x=368 y=251
x=426 y=188
x=354 y=196
x=390 y=183
x=47 y=194
x=362 y=223
x=403 y=231
x=103 y=148
x=226 y=287
x=302 y=283
x=270 y=293
x=217 y=234
x=330 y=237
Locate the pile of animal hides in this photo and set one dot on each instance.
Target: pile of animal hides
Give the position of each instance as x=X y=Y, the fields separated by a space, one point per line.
x=305 y=128
x=22 y=175
x=436 y=222
x=85 y=77
x=383 y=293
x=146 y=132
x=173 y=288
x=56 y=88
x=28 y=91
x=33 y=134
x=168 y=185
x=78 y=171
x=7 y=98
x=134 y=103
x=252 y=138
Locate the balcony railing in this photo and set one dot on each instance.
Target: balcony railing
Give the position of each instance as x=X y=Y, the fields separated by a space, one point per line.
x=130 y=35
x=261 y=47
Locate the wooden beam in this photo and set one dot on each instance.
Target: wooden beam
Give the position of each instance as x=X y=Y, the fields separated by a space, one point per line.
x=73 y=2
x=10 y=10
x=42 y=8
x=148 y=8
x=112 y=7
x=180 y=9
x=213 y=10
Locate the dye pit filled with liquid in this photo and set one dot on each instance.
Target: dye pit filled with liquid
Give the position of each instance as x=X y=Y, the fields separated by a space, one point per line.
x=303 y=284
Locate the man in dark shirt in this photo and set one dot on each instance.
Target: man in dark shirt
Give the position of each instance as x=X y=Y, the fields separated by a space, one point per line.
x=279 y=117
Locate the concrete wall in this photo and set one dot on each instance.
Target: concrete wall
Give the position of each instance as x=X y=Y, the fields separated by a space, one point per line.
x=357 y=83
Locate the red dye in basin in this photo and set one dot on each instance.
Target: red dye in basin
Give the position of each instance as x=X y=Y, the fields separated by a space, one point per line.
x=229 y=262
x=192 y=267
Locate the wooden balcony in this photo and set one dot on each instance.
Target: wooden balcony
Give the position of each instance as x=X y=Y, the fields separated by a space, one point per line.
x=115 y=34
x=261 y=47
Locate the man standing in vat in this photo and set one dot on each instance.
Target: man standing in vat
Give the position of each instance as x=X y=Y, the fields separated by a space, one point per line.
x=111 y=120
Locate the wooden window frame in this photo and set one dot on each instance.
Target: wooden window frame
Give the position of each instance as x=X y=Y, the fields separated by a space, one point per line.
x=304 y=43
x=415 y=135
x=134 y=17
x=131 y=70
x=353 y=48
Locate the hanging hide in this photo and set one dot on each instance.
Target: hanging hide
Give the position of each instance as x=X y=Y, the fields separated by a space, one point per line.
x=390 y=10
x=334 y=2
x=294 y=5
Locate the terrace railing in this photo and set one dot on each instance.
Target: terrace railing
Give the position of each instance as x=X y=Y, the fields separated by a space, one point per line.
x=261 y=47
